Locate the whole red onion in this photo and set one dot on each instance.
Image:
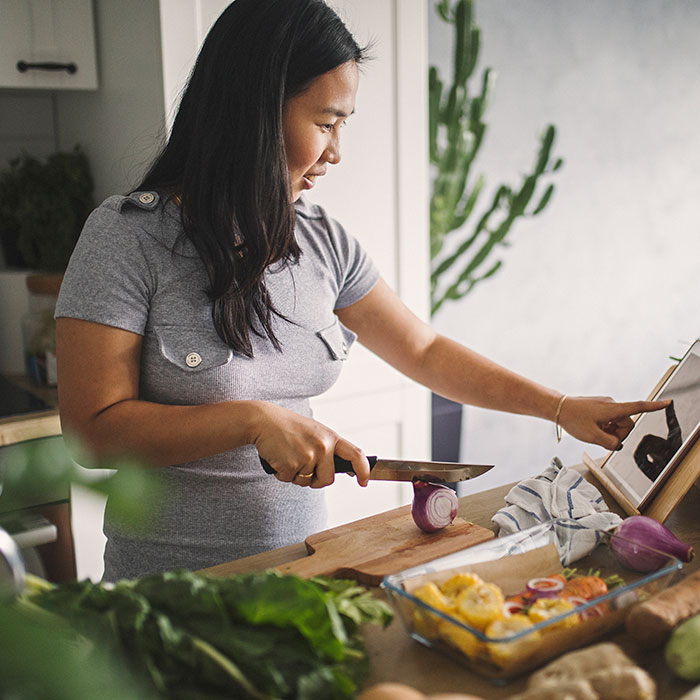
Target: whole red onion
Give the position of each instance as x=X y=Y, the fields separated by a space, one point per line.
x=641 y=530
x=434 y=506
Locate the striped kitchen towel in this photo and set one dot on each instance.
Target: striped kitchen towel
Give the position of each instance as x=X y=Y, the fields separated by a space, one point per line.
x=558 y=492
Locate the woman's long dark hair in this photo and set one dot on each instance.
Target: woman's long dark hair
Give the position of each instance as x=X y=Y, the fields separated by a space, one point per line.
x=225 y=158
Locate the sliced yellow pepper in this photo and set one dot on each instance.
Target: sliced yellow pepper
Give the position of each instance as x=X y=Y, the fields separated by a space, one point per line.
x=460 y=638
x=424 y=622
x=547 y=608
x=458 y=583
x=508 y=652
x=480 y=604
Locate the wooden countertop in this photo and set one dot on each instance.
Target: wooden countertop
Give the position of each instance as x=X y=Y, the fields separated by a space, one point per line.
x=30 y=426
x=395 y=656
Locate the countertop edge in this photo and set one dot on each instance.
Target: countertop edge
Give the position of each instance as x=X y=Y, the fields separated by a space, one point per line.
x=29 y=426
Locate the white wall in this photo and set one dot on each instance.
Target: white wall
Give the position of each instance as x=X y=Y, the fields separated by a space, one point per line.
x=121 y=124
x=26 y=123
x=597 y=292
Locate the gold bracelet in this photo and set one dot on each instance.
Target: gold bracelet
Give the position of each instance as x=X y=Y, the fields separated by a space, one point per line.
x=557 y=427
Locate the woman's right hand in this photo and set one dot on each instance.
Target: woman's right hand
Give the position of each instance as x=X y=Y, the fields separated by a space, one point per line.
x=301 y=449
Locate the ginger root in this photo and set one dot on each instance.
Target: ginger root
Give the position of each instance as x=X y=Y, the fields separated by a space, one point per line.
x=581 y=663
x=599 y=672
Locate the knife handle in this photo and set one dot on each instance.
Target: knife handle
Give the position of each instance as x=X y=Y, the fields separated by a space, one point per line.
x=342 y=466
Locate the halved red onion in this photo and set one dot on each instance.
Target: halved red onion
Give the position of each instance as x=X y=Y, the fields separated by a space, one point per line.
x=545 y=587
x=434 y=506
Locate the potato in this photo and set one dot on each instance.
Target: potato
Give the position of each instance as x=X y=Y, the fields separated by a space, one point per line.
x=572 y=690
x=399 y=691
x=391 y=691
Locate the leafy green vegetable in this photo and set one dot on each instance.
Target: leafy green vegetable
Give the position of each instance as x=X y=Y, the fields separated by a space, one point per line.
x=258 y=635
x=41 y=659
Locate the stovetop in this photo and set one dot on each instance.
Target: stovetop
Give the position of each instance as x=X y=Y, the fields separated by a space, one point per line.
x=14 y=400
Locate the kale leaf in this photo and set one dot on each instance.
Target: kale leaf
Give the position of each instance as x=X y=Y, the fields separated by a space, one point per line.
x=260 y=635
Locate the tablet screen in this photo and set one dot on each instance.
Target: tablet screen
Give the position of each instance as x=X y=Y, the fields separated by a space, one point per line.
x=659 y=440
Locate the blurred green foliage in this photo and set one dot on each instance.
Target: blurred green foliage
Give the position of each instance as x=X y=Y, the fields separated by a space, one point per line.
x=43 y=657
x=49 y=466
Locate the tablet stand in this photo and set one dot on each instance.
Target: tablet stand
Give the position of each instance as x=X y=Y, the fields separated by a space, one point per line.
x=671 y=493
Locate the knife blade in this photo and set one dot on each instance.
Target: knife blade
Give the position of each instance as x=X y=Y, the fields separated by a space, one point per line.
x=407 y=470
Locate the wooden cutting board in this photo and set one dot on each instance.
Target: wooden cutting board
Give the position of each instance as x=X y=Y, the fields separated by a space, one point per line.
x=369 y=549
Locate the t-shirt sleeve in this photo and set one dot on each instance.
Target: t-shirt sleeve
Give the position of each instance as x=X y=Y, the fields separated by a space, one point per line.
x=108 y=279
x=357 y=273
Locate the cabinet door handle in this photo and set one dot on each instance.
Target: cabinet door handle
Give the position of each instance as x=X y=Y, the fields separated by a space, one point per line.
x=23 y=67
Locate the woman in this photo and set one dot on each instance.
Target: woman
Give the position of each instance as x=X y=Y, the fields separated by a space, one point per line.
x=200 y=312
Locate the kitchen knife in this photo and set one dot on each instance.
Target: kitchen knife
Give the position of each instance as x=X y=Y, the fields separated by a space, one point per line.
x=408 y=470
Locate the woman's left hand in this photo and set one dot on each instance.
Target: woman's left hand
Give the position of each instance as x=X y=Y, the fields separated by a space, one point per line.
x=602 y=421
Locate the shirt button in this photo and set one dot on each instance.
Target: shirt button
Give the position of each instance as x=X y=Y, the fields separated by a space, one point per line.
x=193 y=359
x=146 y=198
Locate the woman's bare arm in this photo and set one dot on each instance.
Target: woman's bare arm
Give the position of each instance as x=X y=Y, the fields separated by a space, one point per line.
x=98 y=370
x=389 y=329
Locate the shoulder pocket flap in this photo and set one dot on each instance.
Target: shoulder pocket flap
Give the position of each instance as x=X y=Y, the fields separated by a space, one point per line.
x=192 y=349
x=337 y=339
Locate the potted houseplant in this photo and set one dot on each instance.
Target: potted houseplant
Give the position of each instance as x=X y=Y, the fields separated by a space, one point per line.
x=464 y=237
x=43 y=206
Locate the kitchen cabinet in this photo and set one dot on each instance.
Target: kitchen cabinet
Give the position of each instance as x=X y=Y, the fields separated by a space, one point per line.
x=47 y=44
x=380 y=194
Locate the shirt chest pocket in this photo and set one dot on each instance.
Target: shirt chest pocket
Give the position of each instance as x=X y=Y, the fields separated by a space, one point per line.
x=192 y=349
x=337 y=339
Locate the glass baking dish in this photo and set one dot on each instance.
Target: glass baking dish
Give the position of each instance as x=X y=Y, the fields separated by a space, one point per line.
x=510 y=563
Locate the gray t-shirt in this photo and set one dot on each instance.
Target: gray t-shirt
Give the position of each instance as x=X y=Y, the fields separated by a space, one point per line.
x=132 y=269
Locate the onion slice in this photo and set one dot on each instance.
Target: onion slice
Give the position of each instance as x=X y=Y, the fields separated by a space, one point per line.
x=512 y=607
x=593 y=611
x=576 y=600
x=434 y=506
x=641 y=530
x=545 y=587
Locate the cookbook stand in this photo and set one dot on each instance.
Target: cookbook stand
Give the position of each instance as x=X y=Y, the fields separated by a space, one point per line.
x=676 y=487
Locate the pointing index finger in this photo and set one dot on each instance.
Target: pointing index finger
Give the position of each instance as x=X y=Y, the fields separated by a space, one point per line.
x=631 y=408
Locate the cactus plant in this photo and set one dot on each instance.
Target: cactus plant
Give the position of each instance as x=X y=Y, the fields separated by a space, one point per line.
x=461 y=255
